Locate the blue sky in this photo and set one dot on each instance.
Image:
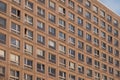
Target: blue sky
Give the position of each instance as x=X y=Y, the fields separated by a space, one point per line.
x=114 y=5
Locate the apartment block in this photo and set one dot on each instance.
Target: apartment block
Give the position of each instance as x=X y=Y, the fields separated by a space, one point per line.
x=58 y=40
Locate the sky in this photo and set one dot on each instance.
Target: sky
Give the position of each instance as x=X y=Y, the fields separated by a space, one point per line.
x=114 y=5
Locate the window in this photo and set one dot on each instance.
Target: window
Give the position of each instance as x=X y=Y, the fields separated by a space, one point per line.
x=103 y=34
x=71 y=28
x=2 y=22
x=117 y=63
x=14 y=74
x=39 y=78
x=41 y=1
x=28 y=34
x=28 y=48
x=116 y=33
x=28 y=63
x=115 y=22
x=63 y=1
x=95 y=19
x=104 y=77
x=95 y=9
x=2 y=38
x=88 y=4
x=15 y=13
x=15 y=28
x=15 y=43
x=62 y=62
x=88 y=49
x=62 y=23
x=109 y=28
x=62 y=75
x=71 y=40
x=97 y=76
x=117 y=73
x=80 y=33
x=104 y=56
x=109 y=18
x=41 y=39
x=62 y=35
x=62 y=48
x=81 y=57
x=40 y=67
x=28 y=19
x=2 y=71
x=28 y=5
x=52 y=58
x=41 y=25
x=28 y=77
x=40 y=53
x=52 y=71
x=111 y=70
x=80 y=21
x=116 y=52
x=80 y=69
x=52 y=18
x=2 y=54
x=102 y=13
x=71 y=77
x=72 y=53
x=80 y=10
x=103 y=45
x=103 y=24
x=97 y=64
x=89 y=60
x=41 y=12
x=96 y=53
x=88 y=37
x=80 y=45
x=62 y=10
x=80 y=1
x=111 y=79
x=52 y=5
x=15 y=59
x=3 y=7
x=71 y=66
x=104 y=67
x=52 y=44
x=116 y=42
x=52 y=31
x=96 y=41
x=110 y=59
x=110 y=49
x=110 y=39
x=79 y=78
x=89 y=73
x=88 y=26
x=71 y=3
x=96 y=30
x=17 y=1
x=71 y=16
x=88 y=15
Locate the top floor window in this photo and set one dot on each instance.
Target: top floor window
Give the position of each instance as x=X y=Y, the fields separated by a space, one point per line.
x=102 y=13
